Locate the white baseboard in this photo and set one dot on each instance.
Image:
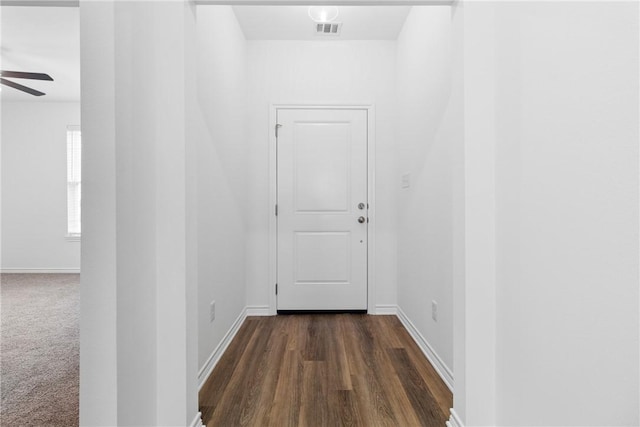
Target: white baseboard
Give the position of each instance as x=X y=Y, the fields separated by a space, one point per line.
x=441 y=368
x=197 y=421
x=386 y=309
x=217 y=353
x=40 y=270
x=258 y=310
x=454 y=420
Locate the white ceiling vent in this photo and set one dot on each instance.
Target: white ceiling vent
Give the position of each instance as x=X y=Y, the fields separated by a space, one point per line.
x=328 y=29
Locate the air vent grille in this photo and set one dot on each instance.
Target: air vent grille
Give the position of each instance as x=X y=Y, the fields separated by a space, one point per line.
x=328 y=29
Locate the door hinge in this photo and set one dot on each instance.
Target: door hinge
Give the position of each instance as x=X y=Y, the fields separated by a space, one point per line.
x=278 y=126
x=276 y=209
x=276 y=289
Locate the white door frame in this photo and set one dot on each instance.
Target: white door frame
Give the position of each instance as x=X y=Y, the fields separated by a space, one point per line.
x=371 y=177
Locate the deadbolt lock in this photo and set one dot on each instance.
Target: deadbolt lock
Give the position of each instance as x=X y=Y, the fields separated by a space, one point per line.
x=360 y=206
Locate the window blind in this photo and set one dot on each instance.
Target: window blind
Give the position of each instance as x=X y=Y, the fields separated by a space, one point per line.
x=74 y=180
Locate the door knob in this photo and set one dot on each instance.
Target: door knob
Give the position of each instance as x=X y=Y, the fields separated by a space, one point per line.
x=361 y=220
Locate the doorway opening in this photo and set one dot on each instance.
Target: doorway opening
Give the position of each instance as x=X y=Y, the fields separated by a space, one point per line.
x=395 y=62
x=40 y=211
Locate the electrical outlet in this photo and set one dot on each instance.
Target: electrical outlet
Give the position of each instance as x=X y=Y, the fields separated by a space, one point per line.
x=406 y=180
x=434 y=311
x=212 y=311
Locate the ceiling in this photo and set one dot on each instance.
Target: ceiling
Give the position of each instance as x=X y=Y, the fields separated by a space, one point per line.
x=47 y=39
x=293 y=22
x=43 y=40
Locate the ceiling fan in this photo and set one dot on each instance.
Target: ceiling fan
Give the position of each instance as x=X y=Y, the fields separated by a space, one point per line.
x=23 y=75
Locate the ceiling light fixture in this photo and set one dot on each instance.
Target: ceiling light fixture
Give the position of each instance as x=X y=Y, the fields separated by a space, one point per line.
x=323 y=14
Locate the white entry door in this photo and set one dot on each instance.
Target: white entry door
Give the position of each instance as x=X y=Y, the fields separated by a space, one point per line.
x=322 y=209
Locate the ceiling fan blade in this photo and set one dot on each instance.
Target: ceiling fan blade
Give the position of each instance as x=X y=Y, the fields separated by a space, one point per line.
x=23 y=75
x=20 y=87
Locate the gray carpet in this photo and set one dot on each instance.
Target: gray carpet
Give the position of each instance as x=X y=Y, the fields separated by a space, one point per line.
x=39 y=349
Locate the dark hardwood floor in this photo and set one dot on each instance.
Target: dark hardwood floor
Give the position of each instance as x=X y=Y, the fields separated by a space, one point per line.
x=324 y=370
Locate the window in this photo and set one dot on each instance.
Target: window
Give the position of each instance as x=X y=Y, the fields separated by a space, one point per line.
x=74 y=181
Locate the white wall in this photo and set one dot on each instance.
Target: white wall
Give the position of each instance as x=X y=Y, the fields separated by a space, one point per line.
x=320 y=72
x=98 y=302
x=567 y=213
x=138 y=344
x=222 y=174
x=34 y=186
x=425 y=138
x=546 y=325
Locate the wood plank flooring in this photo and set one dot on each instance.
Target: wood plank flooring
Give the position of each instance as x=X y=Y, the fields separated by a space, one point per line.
x=324 y=370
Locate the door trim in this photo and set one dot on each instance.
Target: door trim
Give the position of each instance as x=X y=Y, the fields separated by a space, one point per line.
x=371 y=156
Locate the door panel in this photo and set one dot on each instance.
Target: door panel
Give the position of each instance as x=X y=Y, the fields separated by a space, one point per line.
x=322 y=257
x=322 y=177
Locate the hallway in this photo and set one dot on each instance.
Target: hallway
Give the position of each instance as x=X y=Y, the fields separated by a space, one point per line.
x=324 y=370
x=505 y=196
